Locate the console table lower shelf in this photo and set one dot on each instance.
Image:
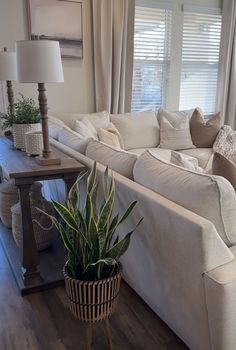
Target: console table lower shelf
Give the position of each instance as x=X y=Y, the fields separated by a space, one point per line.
x=51 y=263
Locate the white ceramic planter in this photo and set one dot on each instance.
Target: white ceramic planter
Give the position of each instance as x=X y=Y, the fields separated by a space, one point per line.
x=19 y=131
x=34 y=143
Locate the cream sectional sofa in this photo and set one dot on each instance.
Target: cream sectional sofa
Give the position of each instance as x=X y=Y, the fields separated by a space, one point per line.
x=178 y=262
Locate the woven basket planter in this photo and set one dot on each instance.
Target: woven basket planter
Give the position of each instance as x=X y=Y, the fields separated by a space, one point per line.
x=34 y=143
x=19 y=131
x=8 y=197
x=92 y=301
x=43 y=232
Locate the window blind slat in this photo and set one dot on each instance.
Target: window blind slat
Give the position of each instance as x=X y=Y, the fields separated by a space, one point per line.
x=151 y=57
x=200 y=57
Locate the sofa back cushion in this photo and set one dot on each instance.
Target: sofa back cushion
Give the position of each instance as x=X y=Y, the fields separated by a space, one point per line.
x=116 y=159
x=73 y=140
x=98 y=119
x=54 y=126
x=211 y=197
x=137 y=130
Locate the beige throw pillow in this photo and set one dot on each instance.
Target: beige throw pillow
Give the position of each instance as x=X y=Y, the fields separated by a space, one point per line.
x=204 y=132
x=174 y=130
x=111 y=136
x=224 y=167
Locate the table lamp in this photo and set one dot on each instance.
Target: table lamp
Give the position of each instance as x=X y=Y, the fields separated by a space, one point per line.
x=39 y=61
x=8 y=73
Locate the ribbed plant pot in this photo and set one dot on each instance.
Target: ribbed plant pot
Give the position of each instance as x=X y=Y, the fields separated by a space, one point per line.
x=92 y=301
x=19 y=131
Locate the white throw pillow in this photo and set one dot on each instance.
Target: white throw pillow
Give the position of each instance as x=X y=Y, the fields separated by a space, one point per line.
x=209 y=196
x=99 y=119
x=185 y=161
x=137 y=130
x=111 y=136
x=116 y=159
x=85 y=128
x=54 y=126
x=175 y=130
x=73 y=140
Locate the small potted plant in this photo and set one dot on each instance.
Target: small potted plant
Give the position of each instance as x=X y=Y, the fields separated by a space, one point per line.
x=25 y=118
x=92 y=272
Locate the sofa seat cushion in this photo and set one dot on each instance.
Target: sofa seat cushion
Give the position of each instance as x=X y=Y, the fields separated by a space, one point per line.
x=162 y=152
x=116 y=159
x=203 y=155
x=138 y=130
x=209 y=196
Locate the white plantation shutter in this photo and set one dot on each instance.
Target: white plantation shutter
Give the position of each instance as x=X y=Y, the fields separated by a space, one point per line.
x=151 y=57
x=200 y=57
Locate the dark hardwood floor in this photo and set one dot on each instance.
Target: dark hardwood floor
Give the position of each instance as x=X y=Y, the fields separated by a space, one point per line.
x=42 y=322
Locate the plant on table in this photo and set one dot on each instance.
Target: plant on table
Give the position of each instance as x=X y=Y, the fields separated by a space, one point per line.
x=26 y=118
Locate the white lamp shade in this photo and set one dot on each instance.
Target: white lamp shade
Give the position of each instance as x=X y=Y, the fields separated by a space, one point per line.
x=8 y=65
x=39 y=61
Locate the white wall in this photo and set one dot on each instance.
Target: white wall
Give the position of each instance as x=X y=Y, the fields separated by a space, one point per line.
x=76 y=94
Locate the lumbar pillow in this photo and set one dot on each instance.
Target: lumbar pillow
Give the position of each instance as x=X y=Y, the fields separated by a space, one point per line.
x=204 y=132
x=224 y=167
x=209 y=196
x=54 y=126
x=98 y=120
x=85 y=128
x=138 y=129
x=185 y=161
x=73 y=140
x=174 y=130
x=111 y=136
x=116 y=159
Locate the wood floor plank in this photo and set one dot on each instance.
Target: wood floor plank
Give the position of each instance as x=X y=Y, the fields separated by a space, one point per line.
x=42 y=321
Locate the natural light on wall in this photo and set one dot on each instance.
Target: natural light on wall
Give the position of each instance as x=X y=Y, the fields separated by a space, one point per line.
x=200 y=57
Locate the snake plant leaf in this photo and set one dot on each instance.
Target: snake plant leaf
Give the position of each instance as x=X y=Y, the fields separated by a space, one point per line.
x=66 y=215
x=107 y=261
x=127 y=213
x=105 y=182
x=68 y=218
x=74 y=193
x=93 y=194
x=104 y=218
x=120 y=247
x=92 y=178
x=61 y=230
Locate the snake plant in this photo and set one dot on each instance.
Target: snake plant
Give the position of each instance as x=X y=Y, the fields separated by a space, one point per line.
x=89 y=233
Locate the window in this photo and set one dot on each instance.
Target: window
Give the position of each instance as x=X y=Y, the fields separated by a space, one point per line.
x=151 y=57
x=200 y=57
x=176 y=68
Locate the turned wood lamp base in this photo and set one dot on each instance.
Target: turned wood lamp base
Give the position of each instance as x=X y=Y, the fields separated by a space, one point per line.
x=48 y=158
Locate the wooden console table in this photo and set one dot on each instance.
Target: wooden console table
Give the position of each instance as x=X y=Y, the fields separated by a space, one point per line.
x=33 y=270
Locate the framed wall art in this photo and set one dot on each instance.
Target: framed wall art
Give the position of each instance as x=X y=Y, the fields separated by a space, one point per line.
x=59 y=20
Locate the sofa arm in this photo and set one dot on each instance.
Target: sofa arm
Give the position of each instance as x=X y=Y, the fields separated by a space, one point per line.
x=220 y=285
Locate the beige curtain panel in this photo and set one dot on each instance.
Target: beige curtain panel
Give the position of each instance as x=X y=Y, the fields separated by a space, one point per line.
x=227 y=74
x=113 y=32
